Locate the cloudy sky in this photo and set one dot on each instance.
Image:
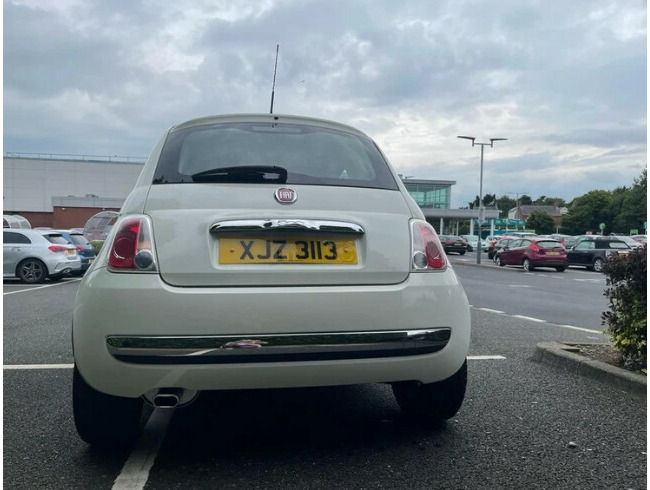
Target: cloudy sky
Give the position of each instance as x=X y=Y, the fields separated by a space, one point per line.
x=564 y=81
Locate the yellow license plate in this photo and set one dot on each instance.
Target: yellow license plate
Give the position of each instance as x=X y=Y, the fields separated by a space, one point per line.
x=552 y=253
x=70 y=253
x=287 y=251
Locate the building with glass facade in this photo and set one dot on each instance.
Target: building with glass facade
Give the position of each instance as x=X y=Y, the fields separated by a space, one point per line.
x=434 y=198
x=430 y=194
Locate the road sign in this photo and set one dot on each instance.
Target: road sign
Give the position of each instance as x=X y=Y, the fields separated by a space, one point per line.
x=634 y=232
x=601 y=226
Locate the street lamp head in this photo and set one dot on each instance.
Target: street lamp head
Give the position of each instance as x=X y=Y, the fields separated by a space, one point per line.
x=492 y=140
x=471 y=138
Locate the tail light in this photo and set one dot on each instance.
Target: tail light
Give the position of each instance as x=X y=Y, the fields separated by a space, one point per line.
x=427 y=252
x=58 y=248
x=534 y=247
x=81 y=248
x=132 y=248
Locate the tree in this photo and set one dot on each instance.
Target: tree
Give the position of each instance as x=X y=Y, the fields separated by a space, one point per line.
x=587 y=212
x=525 y=200
x=633 y=212
x=541 y=222
x=505 y=204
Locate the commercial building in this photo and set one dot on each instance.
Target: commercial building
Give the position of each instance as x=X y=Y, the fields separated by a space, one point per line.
x=64 y=191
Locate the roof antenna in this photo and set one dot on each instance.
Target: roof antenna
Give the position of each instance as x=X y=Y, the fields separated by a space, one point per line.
x=277 y=50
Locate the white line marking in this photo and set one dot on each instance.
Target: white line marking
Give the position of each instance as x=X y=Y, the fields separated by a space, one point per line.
x=484 y=358
x=581 y=329
x=491 y=311
x=135 y=471
x=41 y=287
x=538 y=320
x=37 y=366
x=529 y=318
x=518 y=286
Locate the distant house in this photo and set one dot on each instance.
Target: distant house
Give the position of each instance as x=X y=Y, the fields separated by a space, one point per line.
x=524 y=212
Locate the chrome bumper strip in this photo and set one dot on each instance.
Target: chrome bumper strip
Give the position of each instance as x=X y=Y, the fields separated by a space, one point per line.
x=226 y=349
x=286 y=225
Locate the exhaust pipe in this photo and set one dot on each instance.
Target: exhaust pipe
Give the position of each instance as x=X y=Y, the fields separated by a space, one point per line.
x=167 y=398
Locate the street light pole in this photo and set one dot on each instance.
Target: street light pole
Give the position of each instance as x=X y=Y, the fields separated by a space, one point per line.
x=481 y=209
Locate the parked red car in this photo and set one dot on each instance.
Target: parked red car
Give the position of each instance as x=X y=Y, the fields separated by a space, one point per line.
x=533 y=252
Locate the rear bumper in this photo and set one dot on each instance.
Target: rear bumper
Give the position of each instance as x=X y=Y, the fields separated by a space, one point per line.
x=549 y=262
x=64 y=266
x=134 y=333
x=325 y=346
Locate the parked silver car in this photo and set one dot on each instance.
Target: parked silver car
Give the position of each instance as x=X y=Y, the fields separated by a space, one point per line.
x=33 y=255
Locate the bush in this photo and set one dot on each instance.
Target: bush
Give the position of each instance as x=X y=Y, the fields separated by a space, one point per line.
x=627 y=321
x=97 y=245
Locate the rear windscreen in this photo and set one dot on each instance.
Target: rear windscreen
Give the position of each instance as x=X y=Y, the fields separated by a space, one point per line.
x=549 y=244
x=56 y=239
x=78 y=239
x=310 y=154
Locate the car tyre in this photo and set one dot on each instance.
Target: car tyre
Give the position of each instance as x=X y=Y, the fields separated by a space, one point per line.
x=31 y=271
x=104 y=420
x=432 y=403
x=498 y=261
x=598 y=264
x=463 y=252
x=560 y=269
x=527 y=266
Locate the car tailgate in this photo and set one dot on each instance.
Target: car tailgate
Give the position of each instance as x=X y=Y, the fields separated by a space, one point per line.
x=192 y=251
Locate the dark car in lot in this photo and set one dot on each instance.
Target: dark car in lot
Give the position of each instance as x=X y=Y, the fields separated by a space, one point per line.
x=453 y=243
x=592 y=251
x=533 y=252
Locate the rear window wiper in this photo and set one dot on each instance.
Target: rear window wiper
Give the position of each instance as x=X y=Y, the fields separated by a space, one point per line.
x=243 y=174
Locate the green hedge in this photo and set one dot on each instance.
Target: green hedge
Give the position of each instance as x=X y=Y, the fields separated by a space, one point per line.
x=627 y=320
x=97 y=245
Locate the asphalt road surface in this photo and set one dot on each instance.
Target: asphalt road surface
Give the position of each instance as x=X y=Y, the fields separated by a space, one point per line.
x=523 y=424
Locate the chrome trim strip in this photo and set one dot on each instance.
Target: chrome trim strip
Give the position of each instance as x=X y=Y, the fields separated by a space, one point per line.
x=223 y=349
x=286 y=225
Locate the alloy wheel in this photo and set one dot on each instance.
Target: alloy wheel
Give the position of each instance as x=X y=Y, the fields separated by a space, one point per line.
x=31 y=271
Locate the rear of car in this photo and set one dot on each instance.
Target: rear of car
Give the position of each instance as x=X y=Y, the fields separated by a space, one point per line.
x=33 y=255
x=266 y=251
x=453 y=243
x=531 y=253
x=84 y=249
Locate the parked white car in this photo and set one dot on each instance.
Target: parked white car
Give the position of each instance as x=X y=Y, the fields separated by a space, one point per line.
x=266 y=251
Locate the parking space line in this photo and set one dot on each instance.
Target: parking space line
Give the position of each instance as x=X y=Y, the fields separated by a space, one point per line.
x=485 y=358
x=135 y=472
x=529 y=318
x=41 y=287
x=490 y=310
x=537 y=320
x=18 y=367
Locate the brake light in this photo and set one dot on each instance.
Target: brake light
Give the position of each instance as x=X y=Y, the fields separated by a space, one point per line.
x=427 y=252
x=132 y=247
x=57 y=248
x=534 y=247
x=81 y=248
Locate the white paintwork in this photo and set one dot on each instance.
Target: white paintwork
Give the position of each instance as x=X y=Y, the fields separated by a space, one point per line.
x=266 y=299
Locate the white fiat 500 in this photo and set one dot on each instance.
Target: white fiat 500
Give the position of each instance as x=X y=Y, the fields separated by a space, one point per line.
x=266 y=251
